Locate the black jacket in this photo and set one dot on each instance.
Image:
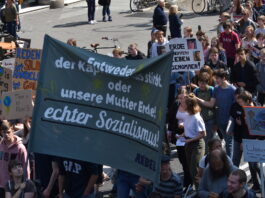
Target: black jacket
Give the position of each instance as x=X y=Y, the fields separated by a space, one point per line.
x=159 y=17
x=246 y=74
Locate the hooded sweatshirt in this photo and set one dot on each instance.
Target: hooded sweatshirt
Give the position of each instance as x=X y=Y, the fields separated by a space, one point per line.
x=14 y=151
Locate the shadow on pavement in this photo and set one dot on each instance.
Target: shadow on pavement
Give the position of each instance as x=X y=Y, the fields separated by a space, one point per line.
x=72 y=24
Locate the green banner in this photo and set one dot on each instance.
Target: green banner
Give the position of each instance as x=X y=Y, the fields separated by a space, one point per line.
x=101 y=109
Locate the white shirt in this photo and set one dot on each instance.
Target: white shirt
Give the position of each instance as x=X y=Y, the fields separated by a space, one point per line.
x=158 y=49
x=181 y=117
x=193 y=124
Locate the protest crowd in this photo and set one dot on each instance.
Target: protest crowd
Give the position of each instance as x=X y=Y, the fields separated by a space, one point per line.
x=205 y=119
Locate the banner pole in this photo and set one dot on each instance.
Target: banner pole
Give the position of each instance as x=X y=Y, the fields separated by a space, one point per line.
x=261 y=179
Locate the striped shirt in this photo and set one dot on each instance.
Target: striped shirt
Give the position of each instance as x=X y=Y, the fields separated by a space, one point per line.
x=170 y=188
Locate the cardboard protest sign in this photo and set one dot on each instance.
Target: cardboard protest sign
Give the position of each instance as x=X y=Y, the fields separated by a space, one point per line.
x=101 y=109
x=255 y=117
x=188 y=54
x=254 y=150
x=27 y=68
x=9 y=63
x=17 y=104
x=5 y=80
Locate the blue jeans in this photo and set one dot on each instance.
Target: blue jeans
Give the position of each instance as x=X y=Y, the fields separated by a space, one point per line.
x=106 y=10
x=228 y=139
x=12 y=28
x=91 y=7
x=126 y=182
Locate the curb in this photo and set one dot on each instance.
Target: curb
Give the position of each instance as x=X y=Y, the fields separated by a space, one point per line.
x=41 y=7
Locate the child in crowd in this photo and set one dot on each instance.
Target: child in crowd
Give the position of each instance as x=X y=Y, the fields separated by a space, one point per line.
x=188 y=32
x=174 y=22
x=261 y=25
x=260 y=74
x=249 y=39
x=117 y=53
x=214 y=60
x=150 y=43
x=205 y=46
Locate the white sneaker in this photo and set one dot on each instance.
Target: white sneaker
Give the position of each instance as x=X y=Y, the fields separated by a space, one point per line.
x=94 y=22
x=89 y=22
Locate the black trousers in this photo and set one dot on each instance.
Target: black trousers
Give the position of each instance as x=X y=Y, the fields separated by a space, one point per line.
x=182 y=159
x=2 y=192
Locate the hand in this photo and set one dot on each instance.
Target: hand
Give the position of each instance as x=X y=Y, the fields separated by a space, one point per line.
x=213 y=195
x=22 y=186
x=46 y=193
x=241 y=84
x=188 y=140
x=139 y=187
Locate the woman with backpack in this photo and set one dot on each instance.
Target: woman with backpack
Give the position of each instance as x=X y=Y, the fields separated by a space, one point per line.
x=17 y=187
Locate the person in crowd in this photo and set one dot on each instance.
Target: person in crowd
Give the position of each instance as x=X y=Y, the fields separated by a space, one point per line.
x=221 y=52
x=230 y=41
x=249 y=39
x=215 y=176
x=236 y=186
x=245 y=99
x=194 y=132
x=169 y=186
x=260 y=67
x=24 y=133
x=47 y=172
x=213 y=62
x=204 y=94
x=258 y=9
x=195 y=79
x=11 y=148
x=117 y=53
x=134 y=53
x=175 y=118
x=151 y=42
x=236 y=11
x=224 y=98
x=244 y=22
x=187 y=31
x=224 y=17
x=17 y=187
x=200 y=34
x=261 y=25
x=255 y=52
x=159 y=47
x=72 y=42
x=244 y=74
x=91 y=8
x=205 y=46
x=174 y=22
x=249 y=6
x=160 y=18
x=77 y=178
x=238 y=131
x=213 y=144
x=11 y=18
x=106 y=10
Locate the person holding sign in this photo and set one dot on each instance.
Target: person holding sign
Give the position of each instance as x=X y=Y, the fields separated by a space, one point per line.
x=159 y=47
x=194 y=132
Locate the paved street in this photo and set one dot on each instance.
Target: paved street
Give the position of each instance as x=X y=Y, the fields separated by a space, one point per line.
x=71 y=22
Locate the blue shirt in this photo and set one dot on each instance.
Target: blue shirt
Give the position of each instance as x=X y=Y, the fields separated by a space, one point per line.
x=224 y=100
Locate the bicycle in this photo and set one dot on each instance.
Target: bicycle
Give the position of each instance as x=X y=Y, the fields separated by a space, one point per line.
x=136 y=5
x=96 y=46
x=198 y=6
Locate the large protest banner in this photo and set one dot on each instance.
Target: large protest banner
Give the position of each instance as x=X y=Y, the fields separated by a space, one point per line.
x=188 y=54
x=27 y=67
x=101 y=109
x=17 y=104
x=255 y=117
